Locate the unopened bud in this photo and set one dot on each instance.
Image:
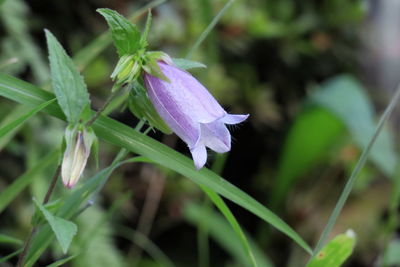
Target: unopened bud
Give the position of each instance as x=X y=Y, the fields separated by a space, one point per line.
x=78 y=143
x=127 y=69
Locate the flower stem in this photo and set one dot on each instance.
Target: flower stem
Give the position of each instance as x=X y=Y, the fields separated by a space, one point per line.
x=46 y=199
x=116 y=90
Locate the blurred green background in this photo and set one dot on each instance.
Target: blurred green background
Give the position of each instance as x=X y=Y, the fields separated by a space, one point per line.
x=313 y=75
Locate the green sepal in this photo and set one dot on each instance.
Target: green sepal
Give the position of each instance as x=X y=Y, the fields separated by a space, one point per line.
x=140 y=105
x=151 y=66
x=143 y=39
x=186 y=64
x=125 y=34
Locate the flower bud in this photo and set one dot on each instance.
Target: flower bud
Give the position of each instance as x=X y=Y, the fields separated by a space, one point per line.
x=78 y=143
x=127 y=69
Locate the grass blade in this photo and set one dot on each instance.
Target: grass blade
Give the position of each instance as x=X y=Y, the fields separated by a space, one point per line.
x=13 y=190
x=360 y=164
x=20 y=120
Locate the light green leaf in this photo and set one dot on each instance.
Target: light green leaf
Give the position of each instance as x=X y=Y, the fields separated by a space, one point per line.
x=13 y=190
x=335 y=252
x=125 y=34
x=187 y=64
x=68 y=84
x=20 y=120
x=64 y=230
x=345 y=97
x=123 y=136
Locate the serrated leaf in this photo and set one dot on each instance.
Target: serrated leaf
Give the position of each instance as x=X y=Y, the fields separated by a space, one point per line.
x=335 y=252
x=68 y=85
x=186 y=64
x=125 y=34
x=64 y=230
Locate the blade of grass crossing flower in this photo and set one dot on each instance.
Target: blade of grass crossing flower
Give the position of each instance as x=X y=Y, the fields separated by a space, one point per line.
x=13 y=190
x=360 y=164
x=20 y=120
x=208 y=29
x=123 y=136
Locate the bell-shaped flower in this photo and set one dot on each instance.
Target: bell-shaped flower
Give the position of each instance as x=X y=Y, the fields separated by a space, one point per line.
x=190 y=111
x=78 y=144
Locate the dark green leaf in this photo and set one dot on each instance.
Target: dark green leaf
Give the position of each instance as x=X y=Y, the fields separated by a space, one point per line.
x=125 y=34
x=68 y=84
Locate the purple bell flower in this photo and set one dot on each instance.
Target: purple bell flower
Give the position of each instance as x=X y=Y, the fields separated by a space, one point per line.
x=191 y=112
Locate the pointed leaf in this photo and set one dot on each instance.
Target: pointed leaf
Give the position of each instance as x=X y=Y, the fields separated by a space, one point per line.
x=68 y=84
x=125 y=34
x=63 y=229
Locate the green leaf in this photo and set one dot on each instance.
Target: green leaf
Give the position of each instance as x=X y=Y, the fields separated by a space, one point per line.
x=122 y=135
x=335 y=252
x=93 y=49
x=187 y=64
x=307 y=144
x=19 y=184
x=222 y=233
x=20 y=120
x=68 y=84
x=125 y=34
x=64 y=230
x=5 y=239
x=345 y=97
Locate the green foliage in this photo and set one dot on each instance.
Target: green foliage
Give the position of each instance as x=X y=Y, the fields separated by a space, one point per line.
x=64 y=230
x=343 y=96
x=126 y=35
x=13 y=190
x=335 y=252
x=307 y=144
x=20 y=120
x=223 y=234
x=124 y=136
x=68 y=84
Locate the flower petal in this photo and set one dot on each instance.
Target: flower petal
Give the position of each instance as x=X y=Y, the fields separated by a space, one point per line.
x=233 y=118
x=216 y=136
x=199 y=155
x=193 y=98
x=169 y=110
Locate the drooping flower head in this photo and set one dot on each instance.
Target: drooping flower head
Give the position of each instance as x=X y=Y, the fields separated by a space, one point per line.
x=190 y=111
